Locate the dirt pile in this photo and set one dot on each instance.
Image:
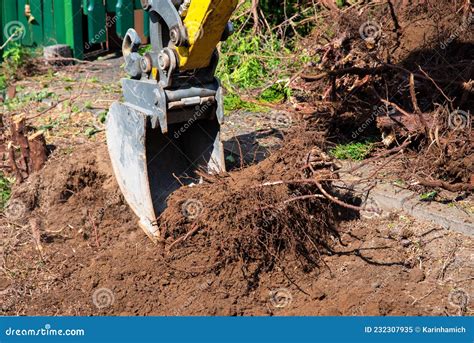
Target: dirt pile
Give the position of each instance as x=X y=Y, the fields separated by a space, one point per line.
x=262 y=216
x=270 y=215
x=88 y=256
x=405 y=73
x=82 y=180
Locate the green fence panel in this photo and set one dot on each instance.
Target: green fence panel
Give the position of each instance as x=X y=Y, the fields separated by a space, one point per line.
x=9 y=22
x=2 y=40
x=59 y=13
x=27 y=39
x=146 y=20
x=9 y=11
x=49 y=25
x=33 y=24
x=73 y=25
x=96 y=21
x=54 y=26
x=125 y=16
x=111 y=5
x=37 y=24
x=61 y=21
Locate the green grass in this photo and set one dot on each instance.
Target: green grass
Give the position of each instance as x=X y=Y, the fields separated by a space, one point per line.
x=356 y=151
x=5 y=190
x=22 y=99
x=232 y=102
x=429 y=196
x=251 y=64
x=144 y=49
x=102 y=116
x=94 y=79
x=15 y=57
x=277 y=93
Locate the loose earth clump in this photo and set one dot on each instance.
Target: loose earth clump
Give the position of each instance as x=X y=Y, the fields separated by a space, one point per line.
x=261 y=216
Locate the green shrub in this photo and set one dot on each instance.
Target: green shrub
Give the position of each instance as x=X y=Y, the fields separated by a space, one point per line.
x=15 y=57
x=261 y=63
x=233 y=102
x=276 y=93
x=3 y=82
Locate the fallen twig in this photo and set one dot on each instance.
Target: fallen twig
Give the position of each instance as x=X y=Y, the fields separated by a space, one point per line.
x=339 y=202
x=457 y=187
x=194 y=229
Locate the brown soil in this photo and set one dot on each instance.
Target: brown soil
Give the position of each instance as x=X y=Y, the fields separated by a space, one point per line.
x=90 y=240
x=263 y=240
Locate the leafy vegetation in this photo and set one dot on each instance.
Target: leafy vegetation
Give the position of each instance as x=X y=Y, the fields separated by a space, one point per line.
x=259 y=59
x=15 y=58
x=356 y=151
x=233 y=102
x=102 y=116
x=276 y=93
x=5 y=190
x=144 y=49
x=28 y=98
x=429 y=196
x=3 y=82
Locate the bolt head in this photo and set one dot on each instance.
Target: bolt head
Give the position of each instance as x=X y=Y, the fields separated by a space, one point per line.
x=146 y=64
x=175 y=36
x=164 y=61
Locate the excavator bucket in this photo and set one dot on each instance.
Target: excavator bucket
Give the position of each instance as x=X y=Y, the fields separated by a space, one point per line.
x=168 y=126
x=149 y=165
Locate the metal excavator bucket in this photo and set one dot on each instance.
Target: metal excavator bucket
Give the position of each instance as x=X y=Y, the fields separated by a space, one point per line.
x=168 y=125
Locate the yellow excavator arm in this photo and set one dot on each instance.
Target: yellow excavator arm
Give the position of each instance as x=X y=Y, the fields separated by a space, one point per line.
x=205 y=22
